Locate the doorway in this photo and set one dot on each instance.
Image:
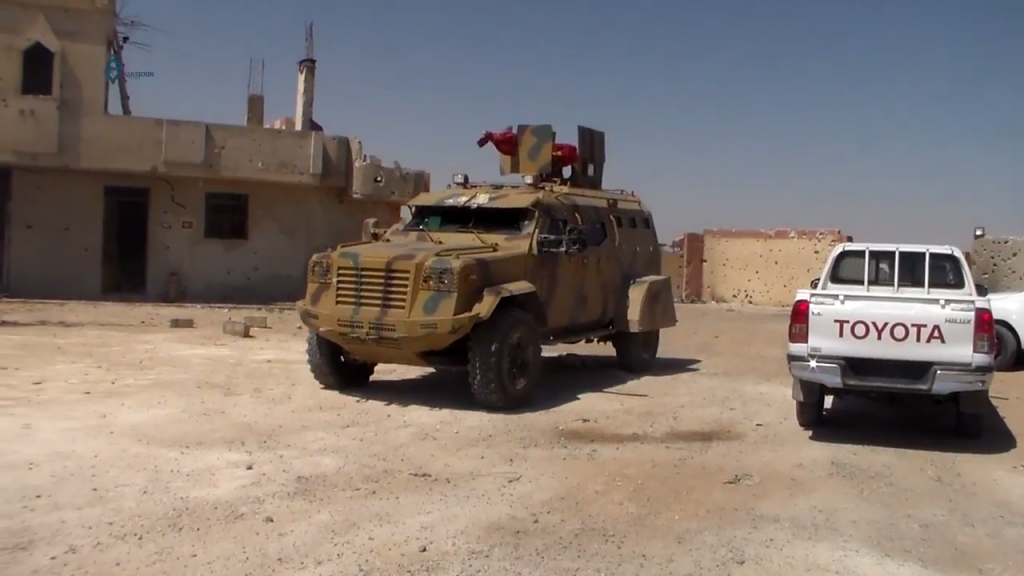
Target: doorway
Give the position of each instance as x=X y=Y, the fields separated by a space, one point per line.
x=6 y=185
x=125 y=235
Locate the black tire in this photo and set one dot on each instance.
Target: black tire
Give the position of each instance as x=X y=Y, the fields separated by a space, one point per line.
x=970 y=425
x=1007 y=348
x=504 y=360
x=330 y=368
x=810 y=414
x=636 y=351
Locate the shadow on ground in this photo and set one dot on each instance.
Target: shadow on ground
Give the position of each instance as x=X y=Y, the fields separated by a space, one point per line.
x=58 y=324
x=565 y=379
x=910 y=424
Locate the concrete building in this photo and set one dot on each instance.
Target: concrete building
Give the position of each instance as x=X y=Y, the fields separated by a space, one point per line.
x=96 y=205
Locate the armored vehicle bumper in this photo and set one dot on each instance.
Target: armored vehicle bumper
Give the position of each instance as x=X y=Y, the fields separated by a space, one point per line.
x=384 y=339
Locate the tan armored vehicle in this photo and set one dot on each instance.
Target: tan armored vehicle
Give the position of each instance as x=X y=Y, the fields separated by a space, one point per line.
x=482 y=275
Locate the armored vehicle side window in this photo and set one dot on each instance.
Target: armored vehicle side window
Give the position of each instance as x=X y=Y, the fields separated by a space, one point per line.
x=632 y=222
x=463 y=219
x=647 y=223
x=944 y=271
x=617 y=220
x=556 y=227
x=604 y=233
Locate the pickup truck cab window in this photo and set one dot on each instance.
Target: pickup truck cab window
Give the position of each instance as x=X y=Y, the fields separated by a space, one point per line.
x=944 y=270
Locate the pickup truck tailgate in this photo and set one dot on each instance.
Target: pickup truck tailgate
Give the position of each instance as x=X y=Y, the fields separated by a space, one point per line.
x=891 y=328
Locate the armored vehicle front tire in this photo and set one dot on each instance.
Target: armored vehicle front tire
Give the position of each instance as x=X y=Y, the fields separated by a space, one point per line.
x=330 y=368
x=504 y=360
x=636 y=351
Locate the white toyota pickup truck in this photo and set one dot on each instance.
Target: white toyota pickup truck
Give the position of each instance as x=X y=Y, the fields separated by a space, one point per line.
x=893 y=319
x=1008 y=308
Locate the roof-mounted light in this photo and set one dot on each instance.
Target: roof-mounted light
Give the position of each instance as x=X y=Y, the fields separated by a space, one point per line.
x=460 y=179
x=979 y=232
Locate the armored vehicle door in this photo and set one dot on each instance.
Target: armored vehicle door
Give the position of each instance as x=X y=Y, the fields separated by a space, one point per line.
x=597 y=266
x=557 y=272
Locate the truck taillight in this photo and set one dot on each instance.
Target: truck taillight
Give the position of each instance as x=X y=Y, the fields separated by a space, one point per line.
x=799 y=318
x=984 y=332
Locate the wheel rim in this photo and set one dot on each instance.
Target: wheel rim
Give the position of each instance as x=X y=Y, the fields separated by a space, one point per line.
x=518 y=362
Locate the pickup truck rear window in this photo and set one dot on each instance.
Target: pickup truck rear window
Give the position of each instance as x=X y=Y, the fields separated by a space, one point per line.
x=945 y=272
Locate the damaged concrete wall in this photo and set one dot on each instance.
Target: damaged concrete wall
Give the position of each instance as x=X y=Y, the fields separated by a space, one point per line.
x=56 y=236
x=998 y=263
x=763 y=267
x=683 y=262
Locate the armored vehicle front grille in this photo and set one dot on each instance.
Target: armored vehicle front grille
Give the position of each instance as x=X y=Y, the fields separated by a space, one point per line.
x=370 y=288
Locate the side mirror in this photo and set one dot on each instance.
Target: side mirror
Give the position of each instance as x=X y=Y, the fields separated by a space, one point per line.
x=981 y=289
x=815 y=282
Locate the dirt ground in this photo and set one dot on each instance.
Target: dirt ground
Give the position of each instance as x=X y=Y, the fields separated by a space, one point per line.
x=129 y=447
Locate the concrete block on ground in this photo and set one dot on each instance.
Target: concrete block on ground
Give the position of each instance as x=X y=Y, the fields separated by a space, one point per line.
x=256 y=321
x=239 y=329
x=182 y=323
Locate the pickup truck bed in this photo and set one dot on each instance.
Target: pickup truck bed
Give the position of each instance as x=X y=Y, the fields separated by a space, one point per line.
x=930 y=336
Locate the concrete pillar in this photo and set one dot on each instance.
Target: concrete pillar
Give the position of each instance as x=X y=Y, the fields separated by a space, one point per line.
x=254 y=110
x=304 y=94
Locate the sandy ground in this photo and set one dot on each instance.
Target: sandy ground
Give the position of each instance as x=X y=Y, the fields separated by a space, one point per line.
x=132 y=448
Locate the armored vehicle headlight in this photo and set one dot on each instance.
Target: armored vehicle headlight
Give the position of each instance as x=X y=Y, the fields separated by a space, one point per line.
x=529 y=179
x=320 y=269
x=440 y=280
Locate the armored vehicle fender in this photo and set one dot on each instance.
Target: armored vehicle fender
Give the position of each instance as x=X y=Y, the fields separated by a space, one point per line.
x=649 y=306
x=523 y=292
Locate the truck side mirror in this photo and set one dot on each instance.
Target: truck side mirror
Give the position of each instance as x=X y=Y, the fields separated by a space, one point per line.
x=981 y=289
x=815 y=282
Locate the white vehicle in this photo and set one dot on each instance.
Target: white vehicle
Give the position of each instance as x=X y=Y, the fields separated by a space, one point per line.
x=1008 y=308
x=893 y=319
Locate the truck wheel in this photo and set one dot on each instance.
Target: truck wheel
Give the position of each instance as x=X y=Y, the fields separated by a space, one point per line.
x=329 y=367
x=970 y=425
x=504 y=360
x=1006 y=349
x=636 y=351
x=810 y=414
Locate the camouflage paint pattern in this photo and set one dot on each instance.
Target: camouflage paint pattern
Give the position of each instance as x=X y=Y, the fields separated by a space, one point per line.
x=536 y=146
x=386 y=300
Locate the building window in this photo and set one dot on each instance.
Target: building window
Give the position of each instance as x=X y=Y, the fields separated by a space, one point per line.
x=227 y=216
x=37 y=71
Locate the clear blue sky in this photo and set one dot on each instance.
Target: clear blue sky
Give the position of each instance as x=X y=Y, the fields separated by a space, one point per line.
x=894 y=120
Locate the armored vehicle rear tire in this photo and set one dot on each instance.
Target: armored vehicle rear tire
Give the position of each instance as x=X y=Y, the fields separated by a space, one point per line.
x=636 y=351
x=504 y=360
x=330 y=368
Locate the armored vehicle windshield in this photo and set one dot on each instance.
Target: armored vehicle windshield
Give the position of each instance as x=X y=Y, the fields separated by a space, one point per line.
x=477 y=219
